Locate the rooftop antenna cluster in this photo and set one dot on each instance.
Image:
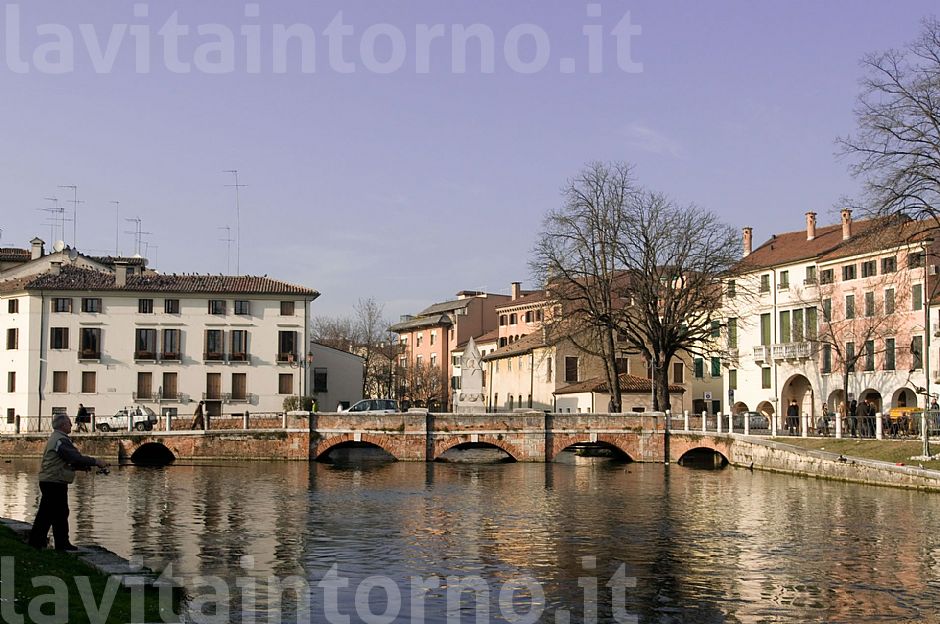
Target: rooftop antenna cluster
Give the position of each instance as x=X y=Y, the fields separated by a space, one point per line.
x=228 y=247
x=238 y=241
x=74 y=201
x=137 y=233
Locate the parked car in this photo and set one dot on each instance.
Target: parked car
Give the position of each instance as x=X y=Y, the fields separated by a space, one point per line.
x=756 y=420
x=374 y=406
x=142 y=417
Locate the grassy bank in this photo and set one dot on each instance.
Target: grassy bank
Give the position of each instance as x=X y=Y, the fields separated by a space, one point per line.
x=894 y=451
x=28 y=564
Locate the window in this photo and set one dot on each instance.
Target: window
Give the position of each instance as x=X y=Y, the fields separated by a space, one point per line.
x=732 y=288
x=797 y=331
x=287 y=308
x=319 y=380
x=59 y=338
x=91 y=305
x=889 y=354
x=826 y=276
x=917 y=350
x=145 y=344
x=765 y=378
x=171 y=306
x=622 y=365
x=419 y=339
x=89 y=382
x=678 y=372
x=812 y=323
x=765 y=283
x=765 y=329
x=214 y=386
x=528 y=317
x=716 y=329
x=286 y=346
x=285 y=383
x=571 y=369
x=89 y=343
x=716 y=367
x=238 y=351
x=848 y=272
x=785 y=326
x=503 y=341
x=784 y=282
x=869 y=355
x=242 y=308
x=144 y=385
x=217 y=306
x=869 y=304
x=11 y=416
x=827 y=310
x=513 y=319
x=145 y=306
x=171 y=344
x=915 y=259
x=433 y=337
x=13 y=306
x=503 y=320
x=11 y=381
x=827 y=358
x=810 y=275
x=170 y=386
x=13 y=338
x=732 y=380
x=433 y=359
x=850 y=357
x=917 y=296
x=869 y=268
x=849 y=307
x=732 y=333
x=239 y=386
x=60 y=381
x=699 y=368
x=215 y=348
x=62 y=304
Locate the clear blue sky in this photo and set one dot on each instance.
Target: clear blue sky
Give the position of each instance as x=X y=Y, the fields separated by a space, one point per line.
x=410 y=185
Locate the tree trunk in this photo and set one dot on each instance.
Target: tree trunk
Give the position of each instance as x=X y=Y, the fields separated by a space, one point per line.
x=613 y=380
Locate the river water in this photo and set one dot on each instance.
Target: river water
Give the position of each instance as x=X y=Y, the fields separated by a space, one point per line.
x=681 y=544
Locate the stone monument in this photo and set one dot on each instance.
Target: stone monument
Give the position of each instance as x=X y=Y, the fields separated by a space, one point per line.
x=469 y=397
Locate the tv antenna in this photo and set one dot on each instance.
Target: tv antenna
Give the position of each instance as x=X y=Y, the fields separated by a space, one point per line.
x=238 y=239
x=137 y=233
x=57 y=216
x=74 y=201
x=228 y=247
x=117 y=221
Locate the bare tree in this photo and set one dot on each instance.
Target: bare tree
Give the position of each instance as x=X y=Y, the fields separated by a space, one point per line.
x=576 y=256
x=674 y=257
x=896 y=150
x=336 y=332
x=423 y=384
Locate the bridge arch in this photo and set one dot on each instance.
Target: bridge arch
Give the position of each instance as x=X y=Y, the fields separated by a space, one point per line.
x=443 y=445
x=625 y=444
x=703 y=456
x=149 y=452
x=682 y=445
x=326 y=445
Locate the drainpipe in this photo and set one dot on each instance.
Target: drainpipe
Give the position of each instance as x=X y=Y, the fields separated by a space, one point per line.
x=42 y=352
x=532 y=378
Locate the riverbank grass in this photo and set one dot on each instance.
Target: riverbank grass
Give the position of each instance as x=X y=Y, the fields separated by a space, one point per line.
x=893 y=451
x=67 y=571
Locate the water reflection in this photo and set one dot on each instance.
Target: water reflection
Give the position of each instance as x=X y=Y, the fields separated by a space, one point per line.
x=704 y=546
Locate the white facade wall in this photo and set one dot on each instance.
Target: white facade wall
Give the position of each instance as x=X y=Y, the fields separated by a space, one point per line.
x=116 y=373
x=344 y=374
x=521 y=376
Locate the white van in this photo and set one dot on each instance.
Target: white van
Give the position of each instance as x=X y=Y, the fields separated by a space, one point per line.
x=143 y=419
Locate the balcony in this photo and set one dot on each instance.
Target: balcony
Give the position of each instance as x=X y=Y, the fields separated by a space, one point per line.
x=783 y=286
x=809 y=281
x=144 y=396
x=145 y=355
x=288 y=358
x=732 y=353
x=89 y=354
x=213 y=356
x=762 y=353
x=166 y=397
x=171 y=356
x=238 y=357
x=212 y=396
x=793 y=351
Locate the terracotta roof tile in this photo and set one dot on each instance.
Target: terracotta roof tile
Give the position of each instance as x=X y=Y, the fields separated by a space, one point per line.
x=628 y=383
x=491 y=336
x=14 y=254
x=534 y=296
x=110 y=260
x=74 y=278
x=15 y=285
x=523 y=345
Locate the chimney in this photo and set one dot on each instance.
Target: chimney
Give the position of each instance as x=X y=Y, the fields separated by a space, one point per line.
x=55 y=267
x=748 y=235
x=810 y=226
x=120 y=274
x=846 y=224
x=37 y=250
x=515 y=289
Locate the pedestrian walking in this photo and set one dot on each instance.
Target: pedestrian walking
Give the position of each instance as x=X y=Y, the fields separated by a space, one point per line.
x=793 y=417
x=198 y=418
x=60 y=460
x=853 y=418
x=82 y=418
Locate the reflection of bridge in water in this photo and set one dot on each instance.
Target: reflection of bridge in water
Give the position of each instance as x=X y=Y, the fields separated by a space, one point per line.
x=413 y=436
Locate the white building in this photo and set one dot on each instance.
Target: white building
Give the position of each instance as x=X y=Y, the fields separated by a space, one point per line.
x=107 y=332
x=334 y=376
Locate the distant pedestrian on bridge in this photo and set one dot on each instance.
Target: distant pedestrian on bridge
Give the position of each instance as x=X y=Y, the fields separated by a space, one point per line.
x=82 y=418
x=198 y=420
x=60 y=460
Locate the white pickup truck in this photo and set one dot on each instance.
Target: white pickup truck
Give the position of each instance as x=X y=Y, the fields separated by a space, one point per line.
x=143 y=419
